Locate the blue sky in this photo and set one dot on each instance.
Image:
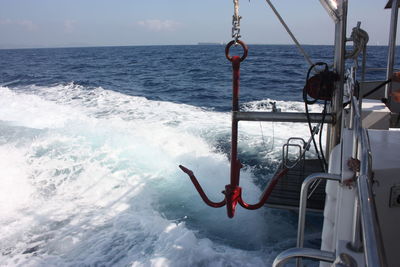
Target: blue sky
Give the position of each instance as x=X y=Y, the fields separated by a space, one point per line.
x=55 y=23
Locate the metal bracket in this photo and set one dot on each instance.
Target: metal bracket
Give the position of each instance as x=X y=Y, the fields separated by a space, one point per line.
x=395 y=196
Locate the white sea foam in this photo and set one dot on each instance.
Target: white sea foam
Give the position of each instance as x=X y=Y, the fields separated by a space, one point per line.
x=90 y=177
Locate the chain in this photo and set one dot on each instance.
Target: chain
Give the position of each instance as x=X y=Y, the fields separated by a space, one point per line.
x=236 y=21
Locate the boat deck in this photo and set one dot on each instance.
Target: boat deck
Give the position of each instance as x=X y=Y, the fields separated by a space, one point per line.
x=286 y=194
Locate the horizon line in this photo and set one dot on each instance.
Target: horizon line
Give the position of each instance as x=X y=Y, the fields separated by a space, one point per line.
x=141 y=45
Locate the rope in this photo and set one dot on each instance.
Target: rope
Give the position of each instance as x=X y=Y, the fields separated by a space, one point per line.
x=360 y=39
x=236 y=8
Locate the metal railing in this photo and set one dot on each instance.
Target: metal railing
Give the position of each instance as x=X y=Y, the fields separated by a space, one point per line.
x=365 y=214
x=286 y=161
x=371 y=234
x=299 y=252
x=307 y=253
x=281 y=116
x=303 y=203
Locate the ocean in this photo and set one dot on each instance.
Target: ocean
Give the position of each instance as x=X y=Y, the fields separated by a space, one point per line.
x=91 y=140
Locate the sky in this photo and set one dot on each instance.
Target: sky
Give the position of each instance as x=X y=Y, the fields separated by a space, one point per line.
x=64 y=23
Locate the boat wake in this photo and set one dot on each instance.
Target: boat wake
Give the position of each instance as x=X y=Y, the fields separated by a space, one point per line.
x=90 y=177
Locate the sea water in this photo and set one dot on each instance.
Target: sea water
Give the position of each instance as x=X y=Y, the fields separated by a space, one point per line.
x=91 y=140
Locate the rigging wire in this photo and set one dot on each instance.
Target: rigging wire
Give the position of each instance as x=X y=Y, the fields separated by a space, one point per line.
x=301 y=49
x=268 y=151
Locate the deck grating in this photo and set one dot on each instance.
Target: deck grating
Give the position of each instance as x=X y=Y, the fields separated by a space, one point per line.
x=286 y=193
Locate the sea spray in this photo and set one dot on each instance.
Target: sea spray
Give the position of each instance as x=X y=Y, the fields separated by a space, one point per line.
x=96 y=178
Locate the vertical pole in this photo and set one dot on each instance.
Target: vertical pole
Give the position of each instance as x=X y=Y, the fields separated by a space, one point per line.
x=303 y=205
x=356 y=241
x=363 y=68
x=339 y=66
x=392 y=47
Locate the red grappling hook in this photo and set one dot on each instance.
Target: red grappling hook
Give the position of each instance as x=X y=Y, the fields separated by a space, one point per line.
x=233 y=192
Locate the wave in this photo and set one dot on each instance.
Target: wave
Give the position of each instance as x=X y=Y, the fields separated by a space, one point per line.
x=90 y=177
